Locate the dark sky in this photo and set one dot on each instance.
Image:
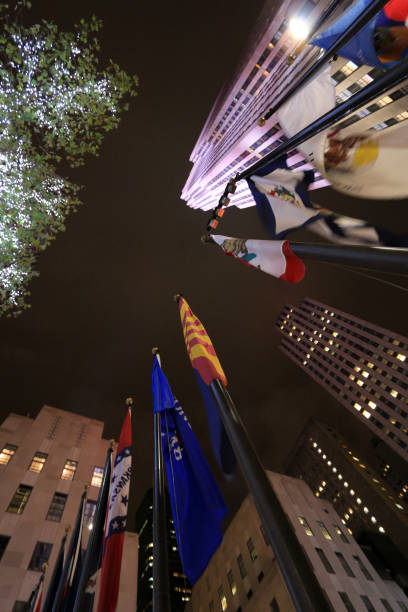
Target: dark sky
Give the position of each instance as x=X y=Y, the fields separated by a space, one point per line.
x=105 y=294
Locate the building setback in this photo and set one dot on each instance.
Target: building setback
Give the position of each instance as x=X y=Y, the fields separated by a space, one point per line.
x=243 y=573
x=180 y=589
x=363 y=499
x=231 y=139
x=365 y=367
x=44 y=465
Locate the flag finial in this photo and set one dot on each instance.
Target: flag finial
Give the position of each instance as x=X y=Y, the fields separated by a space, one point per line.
x=112 y=443
x=129 y=401
x=86 y=486
x=155 y=350
x=177 y=297
x=67 y=529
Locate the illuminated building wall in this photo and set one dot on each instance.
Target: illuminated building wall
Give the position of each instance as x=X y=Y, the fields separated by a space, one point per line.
x=243 y=573
x=231 y=139
x=180 y=589
x=361 y=496
x=44 y=465
x=363 y=366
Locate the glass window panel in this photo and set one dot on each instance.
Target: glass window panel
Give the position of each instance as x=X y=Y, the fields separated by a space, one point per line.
x=325 y=560
x=341 y=534
x=241 y=566
x=4 y=540
x=37 y=462
x=97 y=477
x=20 y=499
x=40 y=556
x=6 y=453
x=347 y=603
x=305 y=525
x=274 y=605
x=89 y=513
x=324 y=531
x=251 y=549
x=363 y=567
x=367 y=603
x=56 y=509
x=345 y=565
x=69 y=470
x=231 y=582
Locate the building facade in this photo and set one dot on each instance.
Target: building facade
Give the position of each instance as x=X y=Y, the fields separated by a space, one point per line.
x=44 y=465
x=365 y=367
x=180 y=589
x=231 y=139
x=362 y=498
x=243 y=573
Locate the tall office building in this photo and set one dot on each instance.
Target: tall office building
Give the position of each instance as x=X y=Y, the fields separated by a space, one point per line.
x=363 y=499
x=365 y=367
x=231 y=140
x=44 y=464
x=243 y=573
x=180 y=590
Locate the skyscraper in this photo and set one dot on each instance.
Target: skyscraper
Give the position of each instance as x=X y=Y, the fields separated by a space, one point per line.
x=362 y=498
x=44 y=464
x=231 y=139
x=180 y=590
x=243 y=573
x=362 y=365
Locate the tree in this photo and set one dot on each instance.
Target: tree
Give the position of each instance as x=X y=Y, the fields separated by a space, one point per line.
x=56 y=103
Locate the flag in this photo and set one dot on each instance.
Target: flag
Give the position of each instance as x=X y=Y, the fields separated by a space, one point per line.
x=197 y=504
x=36 y=596
x=369 y=164
x=380 y=43
x=55 y=578
x=70 y=564
x=207 y=368
x=93 y=558
x=274 y=257
x=116 y=521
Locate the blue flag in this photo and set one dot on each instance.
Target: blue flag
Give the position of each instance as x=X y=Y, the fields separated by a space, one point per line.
x=361 y=49
x=196 y=501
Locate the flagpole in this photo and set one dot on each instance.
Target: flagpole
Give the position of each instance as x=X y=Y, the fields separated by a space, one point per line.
x=52 y=585
x=298 y=574
x=99 y=523
x=391 y=260
x=161 y=597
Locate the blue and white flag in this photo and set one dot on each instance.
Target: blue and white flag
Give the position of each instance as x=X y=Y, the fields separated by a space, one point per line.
x=373 y=44
x=196 y=501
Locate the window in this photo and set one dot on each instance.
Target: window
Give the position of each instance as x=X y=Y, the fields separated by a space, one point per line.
x=89 y=513
x=386 y=605
x=69 y=470
x=345 y=565
x=363 y=567
x=324 y=531
x=324 y=560
x=7 y=453
x=211 y=606
x=20 y=499
x=40 y=556
x=4 y=540
x=241 y=566
x=251 y=549
x=402 y=606
x=37 y=462
x=367 y=603
x=222 y=597
x=56 y=509
x=341 y=534
x=97 y=477
x=305 y=525
x=249 y=594
x=274 y=605
x=261 y=576
x=347 y=603
x=231 y=582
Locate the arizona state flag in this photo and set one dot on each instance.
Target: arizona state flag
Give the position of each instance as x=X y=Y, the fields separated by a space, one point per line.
x=207 y=368
x=116 y=521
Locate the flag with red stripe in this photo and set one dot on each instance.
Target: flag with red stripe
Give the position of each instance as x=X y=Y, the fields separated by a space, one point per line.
x=116 y=521
x=274 y=257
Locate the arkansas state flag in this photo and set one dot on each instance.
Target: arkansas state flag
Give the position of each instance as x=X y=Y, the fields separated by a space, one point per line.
x=116 y=521
x=274 y=257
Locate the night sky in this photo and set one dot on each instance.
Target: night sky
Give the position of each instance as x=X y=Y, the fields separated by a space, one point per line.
x=105 y=293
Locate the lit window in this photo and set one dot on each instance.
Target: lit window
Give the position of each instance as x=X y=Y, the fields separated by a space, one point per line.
x=329 y=463
x=324 y=531
x=89 y=514
x=365 y=509
x=384 y=101
x=346 y=484
x=366 y=414
x=357 y=406
x=37 y=462
x=69 y=470
x=20 y=499
x=365 y=374
x=222 y=597
x=381 y=529
x=358 y=500
x=56 y=509
x=7 y=453
x=394 y=393
x=352 y=491
x=305 y=525
x=372 y=405
x=360 y=382
x=399 y=506
x=341 y=534
x=231 y=582
x=401 y=357
x=97 y=477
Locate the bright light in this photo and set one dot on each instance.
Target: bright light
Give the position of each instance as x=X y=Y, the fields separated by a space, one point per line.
x=299 y=28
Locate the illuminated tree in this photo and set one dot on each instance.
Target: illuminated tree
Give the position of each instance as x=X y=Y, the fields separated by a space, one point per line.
x=56 y=103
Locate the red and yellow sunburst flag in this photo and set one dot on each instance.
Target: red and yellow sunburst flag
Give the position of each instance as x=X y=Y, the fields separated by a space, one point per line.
x=207 y=368
x=199 y=346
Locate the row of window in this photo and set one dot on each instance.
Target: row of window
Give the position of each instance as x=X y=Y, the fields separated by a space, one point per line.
x=38 y=462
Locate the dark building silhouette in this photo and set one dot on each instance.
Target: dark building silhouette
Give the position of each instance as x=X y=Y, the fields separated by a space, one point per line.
x=180 y=589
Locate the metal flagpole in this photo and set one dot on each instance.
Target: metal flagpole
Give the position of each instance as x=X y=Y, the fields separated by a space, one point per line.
x=298 y=574
x=161 y=597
